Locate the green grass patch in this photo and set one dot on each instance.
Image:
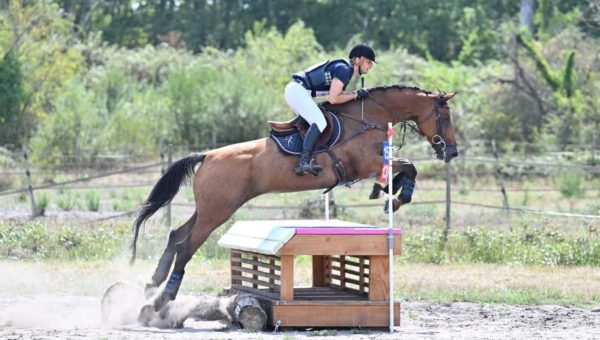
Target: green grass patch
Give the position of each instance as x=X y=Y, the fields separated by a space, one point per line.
x=38 y=240
x=523 y=246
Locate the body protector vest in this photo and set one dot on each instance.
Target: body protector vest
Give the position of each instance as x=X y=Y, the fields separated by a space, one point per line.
x=317 y=78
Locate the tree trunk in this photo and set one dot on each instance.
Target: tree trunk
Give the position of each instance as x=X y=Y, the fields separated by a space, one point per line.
x=526 y=11
x=122 y=304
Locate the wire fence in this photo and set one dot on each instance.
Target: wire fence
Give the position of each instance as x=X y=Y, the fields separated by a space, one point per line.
x=497 y=168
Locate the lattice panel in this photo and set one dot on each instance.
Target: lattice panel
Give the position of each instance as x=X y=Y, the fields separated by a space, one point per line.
x=349 y=273
x=256 y=271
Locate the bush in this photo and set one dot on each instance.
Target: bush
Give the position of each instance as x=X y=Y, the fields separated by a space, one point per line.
x=33 y=240
x=92 y=199
x=67 y=200
x=41 y=203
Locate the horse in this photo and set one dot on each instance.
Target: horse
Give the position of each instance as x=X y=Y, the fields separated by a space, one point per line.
x=224 y=179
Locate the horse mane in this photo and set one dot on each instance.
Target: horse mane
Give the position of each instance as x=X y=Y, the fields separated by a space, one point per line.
x=388 y=87
x=399 y=87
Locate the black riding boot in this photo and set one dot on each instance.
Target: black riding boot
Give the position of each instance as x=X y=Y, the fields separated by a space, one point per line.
x=306 y=162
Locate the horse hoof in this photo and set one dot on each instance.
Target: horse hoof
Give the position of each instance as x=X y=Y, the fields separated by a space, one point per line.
x=149 y=290
x=376 y=193
x=121 y=303
x=396 y=204
x=146 y=315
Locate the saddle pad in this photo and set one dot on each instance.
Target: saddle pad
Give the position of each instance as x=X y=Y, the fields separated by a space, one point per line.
x=292 y=143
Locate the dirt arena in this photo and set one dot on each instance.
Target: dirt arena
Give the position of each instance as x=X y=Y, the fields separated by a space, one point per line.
x=79 y=317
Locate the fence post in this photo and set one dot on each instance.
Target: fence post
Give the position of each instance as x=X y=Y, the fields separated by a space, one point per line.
x=448 y=201
x=332 y=204
x=499 y=177
x=170 y=161
x=29 y=186
x=161 y=151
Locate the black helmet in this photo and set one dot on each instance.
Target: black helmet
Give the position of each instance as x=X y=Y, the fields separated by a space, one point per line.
x=362 y=50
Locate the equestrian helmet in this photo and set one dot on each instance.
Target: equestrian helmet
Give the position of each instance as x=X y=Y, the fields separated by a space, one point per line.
x=362 y=50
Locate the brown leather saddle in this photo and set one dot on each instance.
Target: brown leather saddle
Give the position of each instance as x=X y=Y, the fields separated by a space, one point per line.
x=300 y=125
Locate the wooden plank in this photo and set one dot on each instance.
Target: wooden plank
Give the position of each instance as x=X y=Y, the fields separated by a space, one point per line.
x=272 y=275
x=256 y=274
x=342 y=276
x=318 y=270
x=287 y=278
x=339 y=245
x=260 y=292
x=255 y=283
x=349 y=261
x=256 y=245
x=255 y=268
x=234 y=257
x=346 y=280
x=240 y=261
x=361 y=273
x=379 y=284
x=248 y=254
x=334 y=314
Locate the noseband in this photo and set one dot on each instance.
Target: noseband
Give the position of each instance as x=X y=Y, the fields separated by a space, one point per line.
x=436 y=139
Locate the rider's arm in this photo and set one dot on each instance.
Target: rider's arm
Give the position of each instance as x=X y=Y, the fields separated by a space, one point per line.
x=337 y=94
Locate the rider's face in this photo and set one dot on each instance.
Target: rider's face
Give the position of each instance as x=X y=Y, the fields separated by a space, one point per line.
x=365 y=65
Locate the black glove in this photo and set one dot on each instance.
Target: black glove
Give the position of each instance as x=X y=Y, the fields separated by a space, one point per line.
x=362 y=94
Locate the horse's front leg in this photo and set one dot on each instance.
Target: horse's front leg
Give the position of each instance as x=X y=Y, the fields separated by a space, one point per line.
x=405 y=179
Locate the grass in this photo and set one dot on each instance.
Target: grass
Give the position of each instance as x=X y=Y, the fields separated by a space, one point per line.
x=489 y=257
x=444 y=283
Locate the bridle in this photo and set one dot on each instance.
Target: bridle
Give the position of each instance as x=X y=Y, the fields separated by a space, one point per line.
x=436 y=139
x=365 y=126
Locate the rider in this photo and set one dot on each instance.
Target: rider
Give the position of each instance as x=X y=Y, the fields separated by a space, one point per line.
x=326 y=78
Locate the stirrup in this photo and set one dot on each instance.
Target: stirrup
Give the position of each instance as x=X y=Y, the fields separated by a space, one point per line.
x=308 y=167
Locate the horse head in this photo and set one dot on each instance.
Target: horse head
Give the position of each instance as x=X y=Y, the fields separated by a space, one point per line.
x=428 y=110
x=436 y=124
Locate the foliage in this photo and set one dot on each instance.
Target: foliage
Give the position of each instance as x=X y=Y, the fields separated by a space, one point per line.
x=524 y=246
x=38 y=240
x=570 y=185
x=39 y=40
x=12 y=100
x=67 y=200
x=41 y=203
x=87 y=78
x=92 y=199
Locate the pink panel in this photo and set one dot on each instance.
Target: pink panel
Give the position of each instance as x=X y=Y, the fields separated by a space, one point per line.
x=344 y=231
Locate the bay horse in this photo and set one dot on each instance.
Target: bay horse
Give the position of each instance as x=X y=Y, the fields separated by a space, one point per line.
x=225 y=178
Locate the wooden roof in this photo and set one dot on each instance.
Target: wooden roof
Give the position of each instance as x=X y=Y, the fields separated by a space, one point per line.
x=269 y=236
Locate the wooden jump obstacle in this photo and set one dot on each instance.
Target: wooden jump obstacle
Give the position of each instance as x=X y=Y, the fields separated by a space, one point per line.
x=350 y=271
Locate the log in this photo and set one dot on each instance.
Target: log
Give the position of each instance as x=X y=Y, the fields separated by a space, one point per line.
x=242 y=309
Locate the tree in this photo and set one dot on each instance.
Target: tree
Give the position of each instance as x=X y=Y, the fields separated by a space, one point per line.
x=13 y=122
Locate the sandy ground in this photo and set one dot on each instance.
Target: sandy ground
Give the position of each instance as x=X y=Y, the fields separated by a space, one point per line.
x=79 y=317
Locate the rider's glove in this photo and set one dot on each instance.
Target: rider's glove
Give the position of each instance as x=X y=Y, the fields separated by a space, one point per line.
x=362 y=94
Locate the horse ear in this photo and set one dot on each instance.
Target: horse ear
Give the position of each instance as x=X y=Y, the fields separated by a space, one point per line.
x=448 y=96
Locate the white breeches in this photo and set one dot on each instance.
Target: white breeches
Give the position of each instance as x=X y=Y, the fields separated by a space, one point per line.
x=299 y=99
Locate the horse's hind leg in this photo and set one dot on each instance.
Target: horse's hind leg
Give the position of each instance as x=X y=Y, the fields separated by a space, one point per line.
x=176 y=237
x=214 y=212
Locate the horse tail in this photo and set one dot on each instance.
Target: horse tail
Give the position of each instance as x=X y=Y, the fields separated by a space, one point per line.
x=163 y=192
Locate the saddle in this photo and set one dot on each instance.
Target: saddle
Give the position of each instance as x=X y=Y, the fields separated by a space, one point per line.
x=289 y=135
x=300 y=125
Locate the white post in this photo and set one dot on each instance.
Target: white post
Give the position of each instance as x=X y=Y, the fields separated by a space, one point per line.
x=391 y=225
x=327 y=206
